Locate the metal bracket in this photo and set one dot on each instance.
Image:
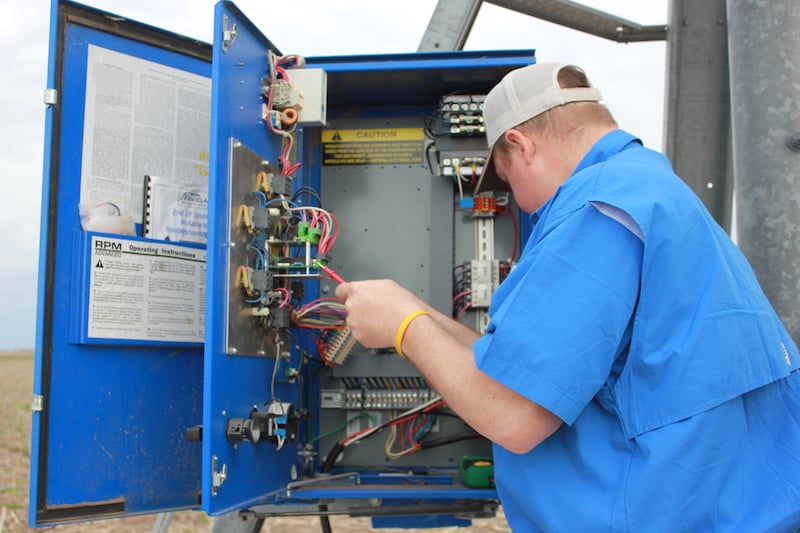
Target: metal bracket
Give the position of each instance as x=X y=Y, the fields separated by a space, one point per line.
x=37 y=403
x=228 y=34
x=484 y=252
x=217 y=478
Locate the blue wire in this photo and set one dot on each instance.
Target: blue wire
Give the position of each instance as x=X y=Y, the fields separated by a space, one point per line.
x=279 y=201
x=256 y=300
x=425 y=427
x=262 y=197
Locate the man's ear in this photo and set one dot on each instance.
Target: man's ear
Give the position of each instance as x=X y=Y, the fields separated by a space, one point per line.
x=520 y=144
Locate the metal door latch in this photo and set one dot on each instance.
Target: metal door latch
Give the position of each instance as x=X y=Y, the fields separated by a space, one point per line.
x=228 y=34
x=217 y=478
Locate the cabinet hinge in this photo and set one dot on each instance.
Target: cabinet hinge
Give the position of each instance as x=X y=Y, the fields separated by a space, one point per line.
x=50 y=97
x=37 y=403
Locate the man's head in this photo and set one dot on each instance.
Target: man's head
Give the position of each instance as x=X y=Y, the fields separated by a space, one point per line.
x=553 y=101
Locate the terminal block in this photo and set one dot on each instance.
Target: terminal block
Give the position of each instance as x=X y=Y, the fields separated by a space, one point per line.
x=340 y=345
x=464 y=167
x=484 y=279
x=374 y=399
x=462 y=115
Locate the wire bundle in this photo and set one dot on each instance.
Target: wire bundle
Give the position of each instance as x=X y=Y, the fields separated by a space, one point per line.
x=462 y=281
x=318 y=219
x=411 y=414
x=321 y=318
x=408 y=434
x=286 y=122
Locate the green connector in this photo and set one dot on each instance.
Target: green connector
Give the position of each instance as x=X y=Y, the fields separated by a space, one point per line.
x=313 y=235
x=302 y=230
x=477 y=472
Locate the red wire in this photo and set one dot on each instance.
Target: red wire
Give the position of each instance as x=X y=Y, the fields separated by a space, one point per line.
x=506 y=210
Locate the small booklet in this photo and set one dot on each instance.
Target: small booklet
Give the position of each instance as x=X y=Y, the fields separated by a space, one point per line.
x=174 y=211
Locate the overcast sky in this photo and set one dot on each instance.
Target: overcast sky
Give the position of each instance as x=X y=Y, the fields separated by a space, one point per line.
x=631 y=78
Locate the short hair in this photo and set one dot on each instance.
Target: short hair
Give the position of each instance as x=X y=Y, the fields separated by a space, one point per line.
x=563 y=120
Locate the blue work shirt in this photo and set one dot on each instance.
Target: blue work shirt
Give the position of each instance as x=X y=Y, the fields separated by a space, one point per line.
x=633 y=317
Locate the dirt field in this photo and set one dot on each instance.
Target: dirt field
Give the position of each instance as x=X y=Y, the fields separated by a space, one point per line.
x=16 y=375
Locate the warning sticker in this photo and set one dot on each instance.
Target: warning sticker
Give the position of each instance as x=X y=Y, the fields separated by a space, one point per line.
x=373 y=146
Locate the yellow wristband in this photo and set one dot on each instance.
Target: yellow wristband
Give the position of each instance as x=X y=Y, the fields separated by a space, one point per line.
x=401 y=331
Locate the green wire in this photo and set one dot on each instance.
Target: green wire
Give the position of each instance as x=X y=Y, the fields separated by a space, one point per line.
x=342 y=426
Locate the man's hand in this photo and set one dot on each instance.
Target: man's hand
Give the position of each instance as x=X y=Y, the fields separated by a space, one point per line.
x=375 y=309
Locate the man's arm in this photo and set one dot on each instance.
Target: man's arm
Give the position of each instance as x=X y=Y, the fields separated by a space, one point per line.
x=441 y=349
x=465 y=334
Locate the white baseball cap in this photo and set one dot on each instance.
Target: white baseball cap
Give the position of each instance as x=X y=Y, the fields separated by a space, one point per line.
x=521 y=95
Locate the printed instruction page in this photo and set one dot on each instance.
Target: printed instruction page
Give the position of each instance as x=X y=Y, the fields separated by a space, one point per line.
x=146 y=291
x=141 y=118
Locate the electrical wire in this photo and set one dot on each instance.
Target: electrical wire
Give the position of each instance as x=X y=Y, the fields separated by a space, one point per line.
x=431 y=404
x=342 y=426
x=309 y=191
x=506 y=210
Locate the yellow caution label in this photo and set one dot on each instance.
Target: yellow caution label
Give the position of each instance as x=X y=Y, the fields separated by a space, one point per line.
x=373 y=135
x=372 y=146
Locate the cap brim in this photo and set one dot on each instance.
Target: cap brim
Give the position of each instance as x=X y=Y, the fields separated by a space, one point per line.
x=489 y=180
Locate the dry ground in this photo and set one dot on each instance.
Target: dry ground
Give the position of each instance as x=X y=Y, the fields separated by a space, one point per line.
x=16 y=378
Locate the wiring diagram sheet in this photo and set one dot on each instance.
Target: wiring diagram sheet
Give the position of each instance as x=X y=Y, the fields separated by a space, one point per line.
x=141 y=118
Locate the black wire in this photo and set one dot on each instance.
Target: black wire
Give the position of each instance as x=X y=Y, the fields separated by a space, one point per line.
x=339 y=447
x=330 y=460
x=431 y=167
x=310 y=192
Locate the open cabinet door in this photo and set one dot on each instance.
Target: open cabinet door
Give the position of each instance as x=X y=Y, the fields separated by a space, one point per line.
x=249 y=359
x=120 y=324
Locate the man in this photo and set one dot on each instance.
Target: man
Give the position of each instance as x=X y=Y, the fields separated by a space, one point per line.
x=633 y=376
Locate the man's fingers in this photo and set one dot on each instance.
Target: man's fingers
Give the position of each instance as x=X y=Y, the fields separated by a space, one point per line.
x=342 y=291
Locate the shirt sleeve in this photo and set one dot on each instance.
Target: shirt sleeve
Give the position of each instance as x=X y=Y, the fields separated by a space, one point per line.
x=563 y=320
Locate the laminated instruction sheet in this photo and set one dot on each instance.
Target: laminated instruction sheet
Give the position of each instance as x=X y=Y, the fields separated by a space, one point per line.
x=146 y=291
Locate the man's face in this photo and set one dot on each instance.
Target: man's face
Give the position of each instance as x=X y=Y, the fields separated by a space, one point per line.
x=511 y=168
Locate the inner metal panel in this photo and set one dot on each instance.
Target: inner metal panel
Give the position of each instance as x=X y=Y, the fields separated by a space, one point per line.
x=246 y=334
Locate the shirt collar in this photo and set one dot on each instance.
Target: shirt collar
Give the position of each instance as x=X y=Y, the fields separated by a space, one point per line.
x=607 y=146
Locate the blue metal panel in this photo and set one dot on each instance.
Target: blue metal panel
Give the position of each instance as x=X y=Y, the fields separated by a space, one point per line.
x=110 y=437
x=417 y=80
x=234 y=384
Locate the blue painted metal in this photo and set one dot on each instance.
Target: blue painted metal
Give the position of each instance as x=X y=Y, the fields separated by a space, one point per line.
x=235 y=384
x=110 y=437
x=37 y=448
